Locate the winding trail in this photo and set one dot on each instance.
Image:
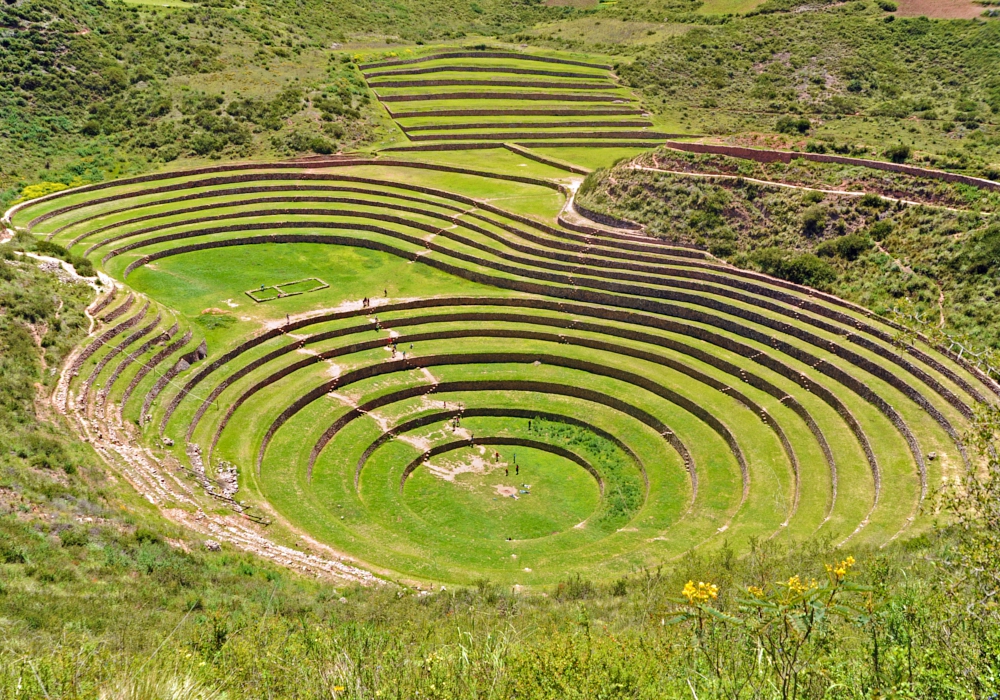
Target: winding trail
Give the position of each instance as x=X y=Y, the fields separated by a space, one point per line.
x=159 y=482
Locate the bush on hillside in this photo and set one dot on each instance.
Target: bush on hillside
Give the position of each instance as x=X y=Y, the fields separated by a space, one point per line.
x=805 y=268
x=849 y=247
x=793 y=125
x=981 y=253
x=900 y=153
x=814 y=220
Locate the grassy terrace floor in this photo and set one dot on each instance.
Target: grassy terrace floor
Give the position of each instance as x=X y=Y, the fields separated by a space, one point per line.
x=451 y=96
x=466 y=387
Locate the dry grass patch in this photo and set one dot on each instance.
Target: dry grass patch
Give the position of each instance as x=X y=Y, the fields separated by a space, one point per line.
x=940 y=9
x=610 y=31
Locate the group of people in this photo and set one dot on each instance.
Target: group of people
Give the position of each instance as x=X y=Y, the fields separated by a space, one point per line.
x=506 y=469
x=366 y=302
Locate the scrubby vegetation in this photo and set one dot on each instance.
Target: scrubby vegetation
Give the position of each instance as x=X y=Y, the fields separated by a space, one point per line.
x=846 y=76
x=94 y=89
x=933 y=260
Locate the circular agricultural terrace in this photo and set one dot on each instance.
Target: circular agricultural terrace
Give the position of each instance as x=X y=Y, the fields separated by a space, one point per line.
x=421 y=364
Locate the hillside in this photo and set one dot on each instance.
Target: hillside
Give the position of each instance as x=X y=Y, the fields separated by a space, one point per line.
x=635 y=349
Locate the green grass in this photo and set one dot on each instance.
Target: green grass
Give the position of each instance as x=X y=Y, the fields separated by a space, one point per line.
x=559 y=495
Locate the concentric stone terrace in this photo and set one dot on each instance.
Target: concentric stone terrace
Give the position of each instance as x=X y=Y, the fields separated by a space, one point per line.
x=485 y=388
x=456 y=99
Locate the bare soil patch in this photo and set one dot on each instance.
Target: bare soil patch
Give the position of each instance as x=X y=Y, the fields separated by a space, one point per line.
x=939 y=9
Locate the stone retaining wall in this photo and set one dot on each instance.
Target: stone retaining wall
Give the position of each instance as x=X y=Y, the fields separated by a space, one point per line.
x=773 y=156
x=540 y=135
x=440 y=416
x=458 y=82
x=370 y=371
x=116 y=351
x=608 y=314
x=153 y=363
x=538 y=158
x=589 y=297
x=481 y=54
x=120 y=310
x=251 y=177
x=182 y=364
x=492 y=70
x=521 y=112
x=103 y=338
x=481 y=126
x=252 y=200
x=103 y=303
x=163 y=337
x=700 y=300
x=604 y=219
x=495 y=95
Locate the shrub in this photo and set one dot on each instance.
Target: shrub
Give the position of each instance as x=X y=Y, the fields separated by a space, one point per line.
x=879 y=230
x=52 y=249
x=576 y=588
x=793 y=125
x=146 y=536
x=981 y=253
x=848 y=247
x=899 y=153
x=814 y=220
x=40 y=190
x=11 y=553
x=887 y=5
x=800 y=269
x=73 y=537
x=873 y=201
x=83 y=267
x=300 y=143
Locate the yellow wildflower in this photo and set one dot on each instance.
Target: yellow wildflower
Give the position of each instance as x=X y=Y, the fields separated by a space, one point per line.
x=701 y=592
x=796 y=585
x=839 y=571
x=755 y=591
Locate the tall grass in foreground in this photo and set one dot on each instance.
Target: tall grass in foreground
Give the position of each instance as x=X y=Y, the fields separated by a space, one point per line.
x=909 y=621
